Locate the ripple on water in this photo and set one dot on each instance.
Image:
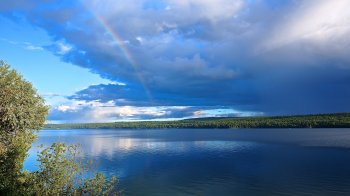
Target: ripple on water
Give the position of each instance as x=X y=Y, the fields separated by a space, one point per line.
x=216 y=162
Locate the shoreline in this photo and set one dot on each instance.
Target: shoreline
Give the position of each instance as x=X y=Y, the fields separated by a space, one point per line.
x=340 y=120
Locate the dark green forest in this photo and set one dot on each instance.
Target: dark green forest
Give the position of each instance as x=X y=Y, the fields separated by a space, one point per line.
x=338 y=120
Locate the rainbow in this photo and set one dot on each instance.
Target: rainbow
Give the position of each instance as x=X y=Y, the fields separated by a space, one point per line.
x=116 y=37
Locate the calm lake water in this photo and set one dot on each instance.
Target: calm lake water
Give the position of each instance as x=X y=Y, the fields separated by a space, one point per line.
x=216 y=162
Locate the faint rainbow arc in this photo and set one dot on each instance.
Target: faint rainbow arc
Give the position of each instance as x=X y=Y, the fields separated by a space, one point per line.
x=125 y=51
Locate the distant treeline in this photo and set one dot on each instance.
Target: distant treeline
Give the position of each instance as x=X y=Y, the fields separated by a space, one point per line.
x=339 y=120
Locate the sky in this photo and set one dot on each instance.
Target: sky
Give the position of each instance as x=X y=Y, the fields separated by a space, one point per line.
x=117 y=60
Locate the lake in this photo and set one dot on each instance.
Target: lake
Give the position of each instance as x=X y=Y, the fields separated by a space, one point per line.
x=215 y=161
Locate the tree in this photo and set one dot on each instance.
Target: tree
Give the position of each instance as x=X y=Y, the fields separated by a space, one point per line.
x=22 y=114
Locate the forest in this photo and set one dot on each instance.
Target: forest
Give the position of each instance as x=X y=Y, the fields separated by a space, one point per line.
x=337 y=120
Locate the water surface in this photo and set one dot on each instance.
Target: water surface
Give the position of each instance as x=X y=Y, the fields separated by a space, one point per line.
x=215 y=161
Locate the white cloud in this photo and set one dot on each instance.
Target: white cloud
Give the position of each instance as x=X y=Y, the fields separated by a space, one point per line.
x=25 y=45
x=318 y=26
x=32 y=47
x=140 y=39
x=63 y=48
x=208 y=9
x=95 y=111
x=64 y=108
x=76 y=105
x=51 y=95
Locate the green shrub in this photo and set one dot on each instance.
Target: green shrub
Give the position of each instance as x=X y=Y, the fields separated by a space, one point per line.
x=22 y=114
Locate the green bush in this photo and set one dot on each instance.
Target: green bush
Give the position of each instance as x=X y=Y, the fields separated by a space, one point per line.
x=22 y=114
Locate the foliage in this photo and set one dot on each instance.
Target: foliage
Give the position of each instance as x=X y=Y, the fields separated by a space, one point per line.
x=341 y=120
x=22 y=114
x=61 y=173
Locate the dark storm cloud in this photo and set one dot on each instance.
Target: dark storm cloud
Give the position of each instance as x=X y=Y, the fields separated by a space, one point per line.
x=124 y=95
x=277 y=57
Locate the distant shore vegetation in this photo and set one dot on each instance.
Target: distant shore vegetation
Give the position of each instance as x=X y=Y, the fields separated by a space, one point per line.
x=338 y=120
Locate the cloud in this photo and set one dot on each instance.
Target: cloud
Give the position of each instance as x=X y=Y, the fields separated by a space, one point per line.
x=206 y=9
x=25 y=45
x=139 y=96
x=95 y=111
x=30 y=46
x=60 y=48
x=314 y=29
x=18 y=5
x=50 y=95
x=275 y=57
x=63 y=48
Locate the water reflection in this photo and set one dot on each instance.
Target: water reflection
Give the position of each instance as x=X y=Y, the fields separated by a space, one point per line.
x=111 y=146
x=222 y=162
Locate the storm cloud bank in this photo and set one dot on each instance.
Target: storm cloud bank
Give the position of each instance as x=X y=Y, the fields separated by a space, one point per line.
x=271 y=57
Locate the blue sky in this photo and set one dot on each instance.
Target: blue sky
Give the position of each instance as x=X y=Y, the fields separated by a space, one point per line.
x=23 y=47
x=115 y=60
